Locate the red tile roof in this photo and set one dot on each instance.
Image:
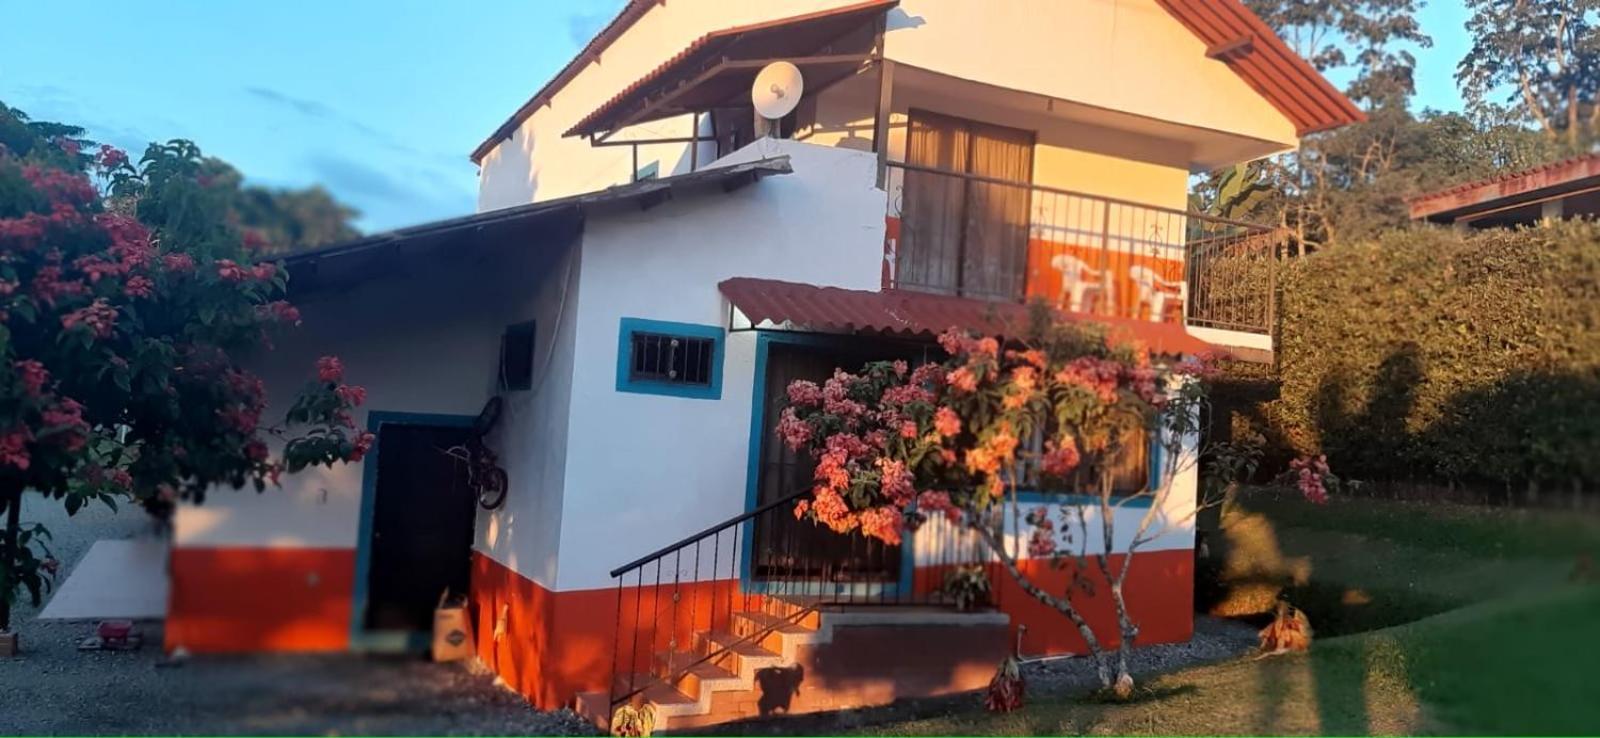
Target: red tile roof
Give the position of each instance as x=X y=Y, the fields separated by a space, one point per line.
x=1253 y=51
x=1236 y=36
x=919 y=313
x=1507 y=187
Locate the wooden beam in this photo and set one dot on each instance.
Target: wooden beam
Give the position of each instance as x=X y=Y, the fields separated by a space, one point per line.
x=1229 y=49
x=880 y=128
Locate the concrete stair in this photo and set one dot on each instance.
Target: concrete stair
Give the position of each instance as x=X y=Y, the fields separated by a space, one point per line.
x=787 y=637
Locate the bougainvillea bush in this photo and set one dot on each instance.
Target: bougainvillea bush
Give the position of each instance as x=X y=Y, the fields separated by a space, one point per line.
x=1054 y=410
x=126 y=298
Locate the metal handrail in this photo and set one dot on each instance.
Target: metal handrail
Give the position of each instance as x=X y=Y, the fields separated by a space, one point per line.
x=704 y=534
x=1075 y=193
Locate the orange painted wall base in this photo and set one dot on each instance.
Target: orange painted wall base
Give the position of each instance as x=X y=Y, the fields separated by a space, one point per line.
x=233 y=600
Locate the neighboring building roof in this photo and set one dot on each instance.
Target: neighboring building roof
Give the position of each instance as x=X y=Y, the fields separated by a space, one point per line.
x=721 y=65
x=340 y=264
x=1233 y=34
x=1252 y=50
x=906 y=312
x=1508 y=189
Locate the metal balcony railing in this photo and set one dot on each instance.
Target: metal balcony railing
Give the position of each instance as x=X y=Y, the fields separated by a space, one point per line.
x=974 y=236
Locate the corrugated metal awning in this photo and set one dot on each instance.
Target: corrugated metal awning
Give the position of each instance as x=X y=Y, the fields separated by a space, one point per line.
x=718 y=68
x=903 y=312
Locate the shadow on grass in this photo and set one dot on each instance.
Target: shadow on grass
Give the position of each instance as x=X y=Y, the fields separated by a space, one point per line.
x=1141 y=695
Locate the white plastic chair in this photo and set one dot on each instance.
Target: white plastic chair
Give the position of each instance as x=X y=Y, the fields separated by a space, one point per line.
x=1156 y=291
x=1077 y=279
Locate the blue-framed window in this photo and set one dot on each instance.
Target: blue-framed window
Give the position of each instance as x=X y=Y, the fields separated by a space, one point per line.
x=657 y=357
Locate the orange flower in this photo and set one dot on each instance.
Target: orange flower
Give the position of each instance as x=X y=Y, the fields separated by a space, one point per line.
x=962 y=380
x=946 y=422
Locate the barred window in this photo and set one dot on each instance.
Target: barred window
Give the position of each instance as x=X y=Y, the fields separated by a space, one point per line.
x=675 y=359
x=657 y=357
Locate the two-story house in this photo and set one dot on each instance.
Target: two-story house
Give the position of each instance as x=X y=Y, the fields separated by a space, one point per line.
x=652 y=263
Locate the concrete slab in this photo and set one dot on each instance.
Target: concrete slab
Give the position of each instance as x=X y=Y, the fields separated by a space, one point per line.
x=116 y=579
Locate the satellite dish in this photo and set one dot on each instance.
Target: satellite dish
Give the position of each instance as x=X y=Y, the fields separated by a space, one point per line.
x=777 y=90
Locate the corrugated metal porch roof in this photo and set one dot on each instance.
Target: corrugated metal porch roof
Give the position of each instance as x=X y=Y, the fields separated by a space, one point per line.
x=834 y=309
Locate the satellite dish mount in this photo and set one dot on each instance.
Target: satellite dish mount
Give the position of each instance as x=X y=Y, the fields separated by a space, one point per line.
x=775 y=94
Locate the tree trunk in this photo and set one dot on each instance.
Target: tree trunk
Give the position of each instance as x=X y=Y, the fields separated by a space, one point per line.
x=11 y=495
x=1061 y=604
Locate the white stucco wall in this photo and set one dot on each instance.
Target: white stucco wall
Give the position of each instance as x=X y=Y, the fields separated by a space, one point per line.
x=1123 y=56
x=423 y=341
x=646 y=470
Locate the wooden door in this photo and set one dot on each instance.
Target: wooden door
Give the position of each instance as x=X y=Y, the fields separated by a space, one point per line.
x=422 y=527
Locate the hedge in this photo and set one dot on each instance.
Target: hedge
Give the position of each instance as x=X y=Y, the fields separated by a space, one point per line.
x=1439 y=356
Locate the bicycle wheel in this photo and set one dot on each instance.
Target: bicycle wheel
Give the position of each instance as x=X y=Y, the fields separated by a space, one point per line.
x=492 y=485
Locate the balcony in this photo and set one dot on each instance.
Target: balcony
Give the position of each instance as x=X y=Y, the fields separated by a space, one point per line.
x=974 y=236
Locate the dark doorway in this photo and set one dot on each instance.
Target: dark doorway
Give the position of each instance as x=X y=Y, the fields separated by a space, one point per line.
x=422 y=527
x=790 y=549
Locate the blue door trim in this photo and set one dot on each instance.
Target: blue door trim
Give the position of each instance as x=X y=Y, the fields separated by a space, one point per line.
x=362 y=639
x=764 y=341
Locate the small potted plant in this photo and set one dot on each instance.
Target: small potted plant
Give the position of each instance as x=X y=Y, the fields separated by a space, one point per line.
x=968 y=587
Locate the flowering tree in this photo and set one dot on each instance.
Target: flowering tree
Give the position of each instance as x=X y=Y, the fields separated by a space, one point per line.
x=126 y=296
x=1055 y=411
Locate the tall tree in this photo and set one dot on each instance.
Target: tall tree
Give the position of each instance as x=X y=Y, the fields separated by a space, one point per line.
x=126 y=291
x=1368 y=36
x=1541 y=58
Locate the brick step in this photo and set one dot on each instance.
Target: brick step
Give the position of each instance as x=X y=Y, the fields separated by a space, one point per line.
x=875 y=651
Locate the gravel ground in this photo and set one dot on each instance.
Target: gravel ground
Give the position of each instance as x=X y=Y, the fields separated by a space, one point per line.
x=52 y=688
x=1215 y=639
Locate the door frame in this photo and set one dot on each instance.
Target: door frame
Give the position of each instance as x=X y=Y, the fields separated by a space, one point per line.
x=386 y=641
x=764 y=341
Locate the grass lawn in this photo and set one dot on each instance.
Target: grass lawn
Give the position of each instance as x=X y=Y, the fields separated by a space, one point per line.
x=1504 y=643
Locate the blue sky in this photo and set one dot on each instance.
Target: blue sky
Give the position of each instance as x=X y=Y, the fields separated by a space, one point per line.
x=378 y=100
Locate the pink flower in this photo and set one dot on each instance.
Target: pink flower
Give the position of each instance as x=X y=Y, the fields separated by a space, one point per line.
x=805 y=393
x=363 y=444
x=99 y=317
x=280 y=311
x=110 y=157
x=330 y=369
x=14 y=448
x=956 y=342
x=895 y=481
x=32 y=375
x=264 y=271
x=229 y=271
x=801 y=508
x=138 y=286
x=908 y=429
x=1060 y=456
x=796 y=433
x=351 y=394
x=256 y=451
x=933 y=501
x=178 y=263
x=946 y=422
